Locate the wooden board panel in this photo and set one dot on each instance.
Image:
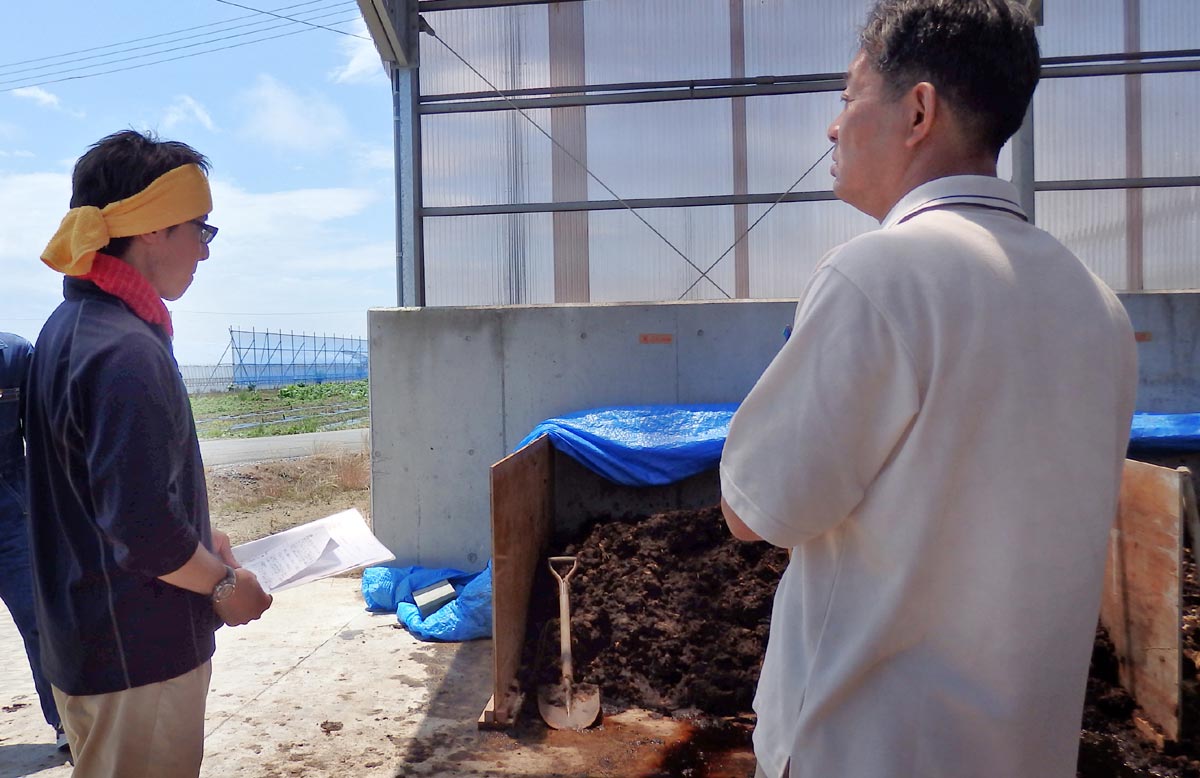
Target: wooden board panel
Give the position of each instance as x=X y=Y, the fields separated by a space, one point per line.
x=522 y=523
x=1141 y=605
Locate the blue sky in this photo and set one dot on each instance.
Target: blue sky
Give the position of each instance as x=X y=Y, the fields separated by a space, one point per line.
x=298 y=130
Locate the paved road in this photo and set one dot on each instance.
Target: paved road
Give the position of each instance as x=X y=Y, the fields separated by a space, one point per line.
x=231 y=451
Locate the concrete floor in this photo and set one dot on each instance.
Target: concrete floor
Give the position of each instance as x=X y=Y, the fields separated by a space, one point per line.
x=315 y=658
x=320 y=688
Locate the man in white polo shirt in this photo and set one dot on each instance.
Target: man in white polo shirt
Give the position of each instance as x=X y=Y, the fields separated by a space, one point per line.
x=940 y=441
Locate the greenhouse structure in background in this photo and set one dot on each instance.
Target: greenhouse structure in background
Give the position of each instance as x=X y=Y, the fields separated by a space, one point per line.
x=617 y=202
x=616 y=150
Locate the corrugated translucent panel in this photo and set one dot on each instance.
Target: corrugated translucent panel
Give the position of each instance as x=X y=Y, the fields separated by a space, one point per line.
x=1171 y=113
x=1091 y=224
x=1170 y=24
x=661 y=149
x=1172 y=239
x=785 y=135
x=801 y=36
x=631 y=263
x=485 y=158
x=510 y=46
x=489 y=260
x=1083 y=27
x=787 y=245
x=1080 y=128
x=663 y=40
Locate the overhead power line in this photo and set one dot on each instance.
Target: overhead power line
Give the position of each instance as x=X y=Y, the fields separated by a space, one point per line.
x=277 y=16
x=75 y=67
x=65 y=54
x=89 y=72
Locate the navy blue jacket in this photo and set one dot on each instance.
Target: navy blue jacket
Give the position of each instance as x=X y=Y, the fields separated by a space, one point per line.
x=15 y=352
x=14 y=364
x=116 y=498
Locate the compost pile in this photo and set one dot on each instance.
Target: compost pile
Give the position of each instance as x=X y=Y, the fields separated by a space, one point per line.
x=669 y=613
x=1109 y=745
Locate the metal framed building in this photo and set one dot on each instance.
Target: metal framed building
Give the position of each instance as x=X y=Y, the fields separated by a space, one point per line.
x=620 y=150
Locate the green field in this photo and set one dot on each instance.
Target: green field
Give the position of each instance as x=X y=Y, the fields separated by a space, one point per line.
x=250 y=413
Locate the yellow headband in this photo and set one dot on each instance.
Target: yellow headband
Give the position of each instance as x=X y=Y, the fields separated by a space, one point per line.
x=175 y=197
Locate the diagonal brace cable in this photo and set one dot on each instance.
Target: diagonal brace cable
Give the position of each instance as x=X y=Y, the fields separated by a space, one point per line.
x=427 y=29
x=742 y=237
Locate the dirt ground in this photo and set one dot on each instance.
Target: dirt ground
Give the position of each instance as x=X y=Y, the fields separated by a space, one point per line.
x=251 y=501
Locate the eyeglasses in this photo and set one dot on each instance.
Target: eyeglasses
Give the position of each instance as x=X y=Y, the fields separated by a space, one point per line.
x=207 y=232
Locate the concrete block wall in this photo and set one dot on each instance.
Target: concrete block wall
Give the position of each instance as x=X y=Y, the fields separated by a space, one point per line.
x=453 y=390
x=1168 y=328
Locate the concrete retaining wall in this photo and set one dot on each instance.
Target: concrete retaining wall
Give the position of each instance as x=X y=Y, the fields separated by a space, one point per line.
x=453 y=390
x=1168 y=327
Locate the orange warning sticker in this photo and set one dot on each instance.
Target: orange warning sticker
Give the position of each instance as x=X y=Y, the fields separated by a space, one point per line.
x=655 y=338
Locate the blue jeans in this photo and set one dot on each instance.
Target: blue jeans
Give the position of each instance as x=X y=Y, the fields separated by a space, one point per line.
x=16 y=583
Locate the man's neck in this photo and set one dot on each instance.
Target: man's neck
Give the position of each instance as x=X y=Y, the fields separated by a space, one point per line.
x=933 y=168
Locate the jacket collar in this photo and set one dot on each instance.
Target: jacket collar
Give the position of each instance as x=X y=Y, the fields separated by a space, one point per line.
x=977 y=191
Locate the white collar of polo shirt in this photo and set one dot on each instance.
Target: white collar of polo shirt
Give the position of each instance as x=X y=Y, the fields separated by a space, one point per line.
x=980 y=191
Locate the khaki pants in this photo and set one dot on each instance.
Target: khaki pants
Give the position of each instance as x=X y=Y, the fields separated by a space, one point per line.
x=151 y=731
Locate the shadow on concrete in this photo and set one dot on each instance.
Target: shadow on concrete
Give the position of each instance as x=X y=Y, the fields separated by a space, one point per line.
x=448 y=739
x=28 y=758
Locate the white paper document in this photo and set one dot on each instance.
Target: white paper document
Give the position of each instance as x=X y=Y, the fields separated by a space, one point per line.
x=311 y=551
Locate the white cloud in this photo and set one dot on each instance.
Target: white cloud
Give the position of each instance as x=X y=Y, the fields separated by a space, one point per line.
x=376 y=157
x=285 y=258
x=45 y=99
x=185 y=109
x=17 y=154
x=289 y=120
x=33 y=205
x=362 y=63
x=38 y=95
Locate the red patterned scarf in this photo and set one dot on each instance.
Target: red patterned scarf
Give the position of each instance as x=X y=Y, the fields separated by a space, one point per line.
x=131 y=287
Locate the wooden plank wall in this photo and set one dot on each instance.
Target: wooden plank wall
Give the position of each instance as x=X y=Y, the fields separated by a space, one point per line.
x=1141 y=605
x=522 y=523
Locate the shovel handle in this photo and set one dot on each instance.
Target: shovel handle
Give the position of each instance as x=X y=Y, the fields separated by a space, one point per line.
x=564 y=612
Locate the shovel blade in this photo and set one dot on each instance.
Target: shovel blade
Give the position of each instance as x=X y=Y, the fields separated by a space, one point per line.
x=569 y=707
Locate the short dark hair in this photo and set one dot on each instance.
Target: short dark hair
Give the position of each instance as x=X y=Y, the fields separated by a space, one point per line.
x=981 y=55
x=121 y=165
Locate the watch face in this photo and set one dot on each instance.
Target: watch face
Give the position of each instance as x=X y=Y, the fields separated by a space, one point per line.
x=224 y=587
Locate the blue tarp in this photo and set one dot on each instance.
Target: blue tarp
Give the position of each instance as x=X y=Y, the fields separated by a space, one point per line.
x=652 y=445
x=1165 y=432
x=642 y=445
x=467 y=617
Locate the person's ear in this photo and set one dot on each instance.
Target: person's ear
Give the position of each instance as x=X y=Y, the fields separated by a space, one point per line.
x=152 y=238
x=922 y=107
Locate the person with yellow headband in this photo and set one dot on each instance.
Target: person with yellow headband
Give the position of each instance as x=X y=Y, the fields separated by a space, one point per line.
x=130 y=579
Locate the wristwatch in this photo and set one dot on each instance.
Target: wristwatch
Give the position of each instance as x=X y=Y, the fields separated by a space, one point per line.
x=224 y=588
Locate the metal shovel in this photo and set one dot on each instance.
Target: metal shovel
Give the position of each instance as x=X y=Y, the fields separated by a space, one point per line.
x=565 y=705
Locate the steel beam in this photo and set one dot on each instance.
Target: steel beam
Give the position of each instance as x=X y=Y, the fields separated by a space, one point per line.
x=1097 y=184
x=613 y=205
x=1075 y=185
x=630 y=86
x=460 y=5
x=650 y=93
x=660 y=96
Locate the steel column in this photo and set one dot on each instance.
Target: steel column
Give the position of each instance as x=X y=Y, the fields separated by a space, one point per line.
x=410 y=255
